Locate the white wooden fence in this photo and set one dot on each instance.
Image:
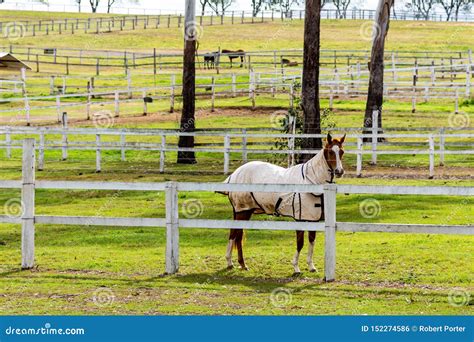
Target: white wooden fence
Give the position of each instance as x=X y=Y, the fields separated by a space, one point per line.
x=241 y=139
x=259 y=83
x=173 y=223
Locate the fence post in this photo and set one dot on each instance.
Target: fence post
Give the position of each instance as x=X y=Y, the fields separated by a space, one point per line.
x=97 y=153
x=162 y=153
x=375 y=129
x=41 y=152
x=456 y=102
x=226 y=153
x=213 y=93
x=122 y=145
x=64 y=147
x=432 y=151
x=244 y=145
x=330 y=232
x=145 y=103
x=28 y=205
x=233 y=85
x=360 y=146
x=172 y=228
x=331 y=98
x=468 y=82
x=8 y=143
x=173 y=81
x=58 y=107
x=442 y=142
x=117 y=104
x=292 y=95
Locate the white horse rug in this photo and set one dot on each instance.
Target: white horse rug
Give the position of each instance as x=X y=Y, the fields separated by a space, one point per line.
x=300 y=206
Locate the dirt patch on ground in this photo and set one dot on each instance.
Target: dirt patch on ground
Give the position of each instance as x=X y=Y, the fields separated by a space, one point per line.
x=441 y=172
x=175 y=116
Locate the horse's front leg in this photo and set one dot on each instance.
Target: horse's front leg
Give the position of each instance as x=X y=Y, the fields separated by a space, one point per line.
x=299 y=247
x=311 y=239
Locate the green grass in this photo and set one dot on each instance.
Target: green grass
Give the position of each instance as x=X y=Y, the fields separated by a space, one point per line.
x=335 y=34
x=377 y=273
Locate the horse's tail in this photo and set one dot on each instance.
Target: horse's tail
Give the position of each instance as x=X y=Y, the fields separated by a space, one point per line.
x=234 y=245
x=224 y=192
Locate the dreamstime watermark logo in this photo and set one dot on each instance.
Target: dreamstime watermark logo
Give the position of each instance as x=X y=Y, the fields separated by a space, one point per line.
x=193 y=31
x=103 y=119
x=370 y=208
x=103 y=296
x=13 y=31
x=369 y=30
x=192 y=208
x=459 y=297
x=279 y=119
x=14 y=208
x=281 y=297
x=460 y=120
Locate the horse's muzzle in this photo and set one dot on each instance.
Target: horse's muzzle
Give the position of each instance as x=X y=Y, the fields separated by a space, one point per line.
x=339 y=173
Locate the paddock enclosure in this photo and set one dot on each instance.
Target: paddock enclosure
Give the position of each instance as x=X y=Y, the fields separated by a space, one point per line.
x=96 y=216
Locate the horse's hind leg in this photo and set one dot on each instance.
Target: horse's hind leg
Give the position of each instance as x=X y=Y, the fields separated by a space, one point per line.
x=299 y=247
x=235 y=240
x=240 y=252
x=311 y=238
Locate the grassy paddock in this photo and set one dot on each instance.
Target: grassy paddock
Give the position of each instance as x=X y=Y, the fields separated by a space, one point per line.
x=377 y=273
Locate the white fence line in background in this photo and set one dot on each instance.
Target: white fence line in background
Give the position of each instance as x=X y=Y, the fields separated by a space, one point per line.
x=169 y=94
x=224 y=146
x=173 y=223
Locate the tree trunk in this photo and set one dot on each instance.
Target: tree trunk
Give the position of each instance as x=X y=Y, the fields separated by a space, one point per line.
x=310 y=83
x=375 y=92
x=187 y=116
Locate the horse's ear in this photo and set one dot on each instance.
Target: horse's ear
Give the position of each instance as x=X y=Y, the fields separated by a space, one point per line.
x=343 y=138
x=329 y=138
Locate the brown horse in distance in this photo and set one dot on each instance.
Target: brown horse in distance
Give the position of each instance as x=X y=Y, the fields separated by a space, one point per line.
x=234 y=55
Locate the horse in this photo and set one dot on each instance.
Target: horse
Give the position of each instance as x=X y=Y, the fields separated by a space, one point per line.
x=210 y=60
x=288 y=63
x=320 y=169
x=235 y=54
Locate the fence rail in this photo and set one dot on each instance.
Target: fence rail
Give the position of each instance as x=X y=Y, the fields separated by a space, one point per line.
x=239 y=143
x=97 y=60
x=173 y=223
x=247 y=15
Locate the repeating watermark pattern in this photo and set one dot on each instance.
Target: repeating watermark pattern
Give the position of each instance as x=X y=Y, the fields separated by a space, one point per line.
x=14 y=208
x=279 y=119
x=103 y=119
x=281 y=297
x=193 y=31
x=103 y=296
x=370 y=208
x=369 y=30
x=13 y=31
x=459 y=297
x=460 y=120
x=192 y=208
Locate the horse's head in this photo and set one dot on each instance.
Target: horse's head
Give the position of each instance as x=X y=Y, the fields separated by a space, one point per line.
x=333 y=152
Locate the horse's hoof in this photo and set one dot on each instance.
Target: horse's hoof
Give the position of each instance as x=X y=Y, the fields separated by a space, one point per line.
x=296 y=274
x=244 y=268
x=230 y=267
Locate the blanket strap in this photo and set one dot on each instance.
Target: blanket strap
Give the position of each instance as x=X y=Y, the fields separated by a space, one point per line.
x=277 y=205
x=253 y=196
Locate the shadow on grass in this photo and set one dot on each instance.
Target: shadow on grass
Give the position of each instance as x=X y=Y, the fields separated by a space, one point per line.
x=224 y=277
